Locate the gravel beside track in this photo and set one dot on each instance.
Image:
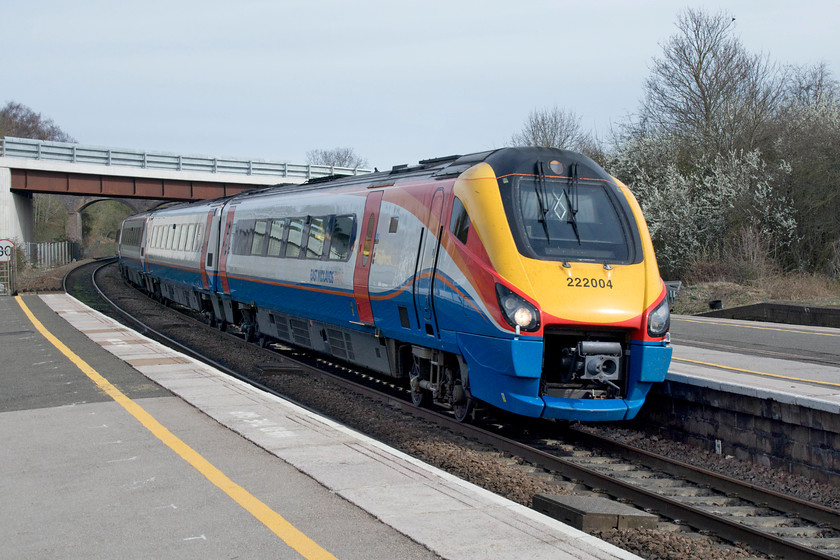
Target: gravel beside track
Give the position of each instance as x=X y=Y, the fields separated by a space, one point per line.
x=484 y=466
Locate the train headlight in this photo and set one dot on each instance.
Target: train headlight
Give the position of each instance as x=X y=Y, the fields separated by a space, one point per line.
x=659 y=320
x=516 y=311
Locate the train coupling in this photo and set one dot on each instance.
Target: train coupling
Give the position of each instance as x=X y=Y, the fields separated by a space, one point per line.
x=600 y=361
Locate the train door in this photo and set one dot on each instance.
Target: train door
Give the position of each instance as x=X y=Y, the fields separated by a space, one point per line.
x=210 y=250
x=364 y=260
x=144 y=231
x=225 y=248
x=424 y=277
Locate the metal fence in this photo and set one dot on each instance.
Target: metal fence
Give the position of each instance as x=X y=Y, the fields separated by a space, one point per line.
x=49 y=255
x=7 y=277
x=76 y=153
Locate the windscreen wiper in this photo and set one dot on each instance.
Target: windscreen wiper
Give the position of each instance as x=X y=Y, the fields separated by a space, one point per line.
x=540 y=189
x=572 y=217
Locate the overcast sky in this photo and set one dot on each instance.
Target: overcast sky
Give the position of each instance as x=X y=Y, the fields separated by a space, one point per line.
x=396 y=80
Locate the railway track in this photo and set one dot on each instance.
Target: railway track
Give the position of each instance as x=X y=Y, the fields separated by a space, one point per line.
x=733 y=510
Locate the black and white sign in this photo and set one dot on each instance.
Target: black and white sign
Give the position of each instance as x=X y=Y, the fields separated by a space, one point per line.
x=7 y=250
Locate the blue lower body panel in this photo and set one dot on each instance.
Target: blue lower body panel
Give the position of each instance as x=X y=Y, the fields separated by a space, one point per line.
x=505 y=372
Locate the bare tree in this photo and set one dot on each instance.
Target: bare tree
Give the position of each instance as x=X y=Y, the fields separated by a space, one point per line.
x=554 y=128
x=706 y=87
x=22 y=122
x=338 y=157
x=812 y=85
x=49 y=213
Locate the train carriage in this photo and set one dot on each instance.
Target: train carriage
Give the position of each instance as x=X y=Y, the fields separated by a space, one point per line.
x=522 y=278
x=131 y=246
x=181 y=241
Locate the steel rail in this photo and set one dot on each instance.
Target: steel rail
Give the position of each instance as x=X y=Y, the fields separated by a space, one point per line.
x=668 y=507
x=815 y=513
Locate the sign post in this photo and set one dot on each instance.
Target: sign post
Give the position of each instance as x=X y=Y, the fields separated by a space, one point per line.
x=8 y=262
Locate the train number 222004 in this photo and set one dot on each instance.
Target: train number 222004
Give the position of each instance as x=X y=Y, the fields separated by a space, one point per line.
x=588 y=283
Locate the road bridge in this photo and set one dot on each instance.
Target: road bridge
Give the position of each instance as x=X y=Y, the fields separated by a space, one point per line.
x=34 y=166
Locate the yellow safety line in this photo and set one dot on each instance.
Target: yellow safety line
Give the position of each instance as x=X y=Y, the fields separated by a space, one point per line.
x=756 y=372
x=752 y=327
x=305 y=546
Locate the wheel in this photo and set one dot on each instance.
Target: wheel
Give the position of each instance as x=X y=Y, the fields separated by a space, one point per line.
x=221 y=324
x=419 y=397
x=463 y=410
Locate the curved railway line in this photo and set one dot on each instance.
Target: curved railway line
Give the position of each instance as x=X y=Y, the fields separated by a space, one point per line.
x=710 y=503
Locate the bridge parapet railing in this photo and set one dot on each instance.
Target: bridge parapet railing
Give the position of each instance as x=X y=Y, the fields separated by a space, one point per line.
x=77 y=153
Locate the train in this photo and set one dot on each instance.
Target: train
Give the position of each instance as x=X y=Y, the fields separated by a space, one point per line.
x=522 y=279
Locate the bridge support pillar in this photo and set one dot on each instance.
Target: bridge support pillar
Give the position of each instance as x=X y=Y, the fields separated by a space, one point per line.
x=73 y=228
x=15 y=211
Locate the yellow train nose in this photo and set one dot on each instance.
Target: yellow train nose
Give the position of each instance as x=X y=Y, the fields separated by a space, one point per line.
x=569 y=292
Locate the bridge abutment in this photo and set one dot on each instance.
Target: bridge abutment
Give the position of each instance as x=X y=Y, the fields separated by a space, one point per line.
x=15 y=211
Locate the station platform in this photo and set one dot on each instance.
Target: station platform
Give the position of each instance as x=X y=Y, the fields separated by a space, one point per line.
x=116 y=446
x=788 y=381
x=763 y=392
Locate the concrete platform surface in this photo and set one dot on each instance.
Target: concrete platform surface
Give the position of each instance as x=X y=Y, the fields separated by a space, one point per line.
x=418 y=511
x=810 y=385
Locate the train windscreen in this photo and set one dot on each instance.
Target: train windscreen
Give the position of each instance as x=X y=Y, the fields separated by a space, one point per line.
x=560 y=220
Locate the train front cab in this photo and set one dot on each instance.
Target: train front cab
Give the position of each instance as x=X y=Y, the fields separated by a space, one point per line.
x=590 y=355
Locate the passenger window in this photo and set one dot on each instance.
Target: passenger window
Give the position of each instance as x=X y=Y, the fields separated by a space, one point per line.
x=176 y=237
x=275 y=239
x=258 y=241
x=315 y=242
x=293 y=244
x=199 y=237
x=185 y=236
x=368 y=240
x=190 y=240
x=342 y=233
x=242 y=234
x=459 y=225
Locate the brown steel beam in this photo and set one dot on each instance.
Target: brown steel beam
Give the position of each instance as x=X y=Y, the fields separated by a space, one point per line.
x=56 y=182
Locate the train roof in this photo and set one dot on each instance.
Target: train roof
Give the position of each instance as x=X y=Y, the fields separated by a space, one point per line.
x=505 y=161
x=514 y=160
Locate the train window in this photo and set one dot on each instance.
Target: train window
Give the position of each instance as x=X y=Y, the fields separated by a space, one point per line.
x=275 y=238
x=241 y=242
x=394 y=225
x=192 y=237
x=317 y=236
x=368 y=240
x=258 y=241
x=459 y=225
x=293 y=244
x=342 y=233
x=186 y=236
x=176 y=236
x=199 y=236
x=579 y=221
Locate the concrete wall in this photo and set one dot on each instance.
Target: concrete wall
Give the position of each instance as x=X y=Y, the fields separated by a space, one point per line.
x=801 y=440
x=782 y=313
x=15 y=211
